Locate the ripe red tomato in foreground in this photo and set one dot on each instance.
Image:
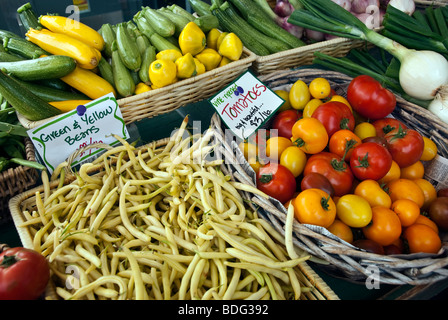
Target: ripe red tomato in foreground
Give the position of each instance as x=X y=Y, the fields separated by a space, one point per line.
x=335 y=116
x=370 y=160
x=24 y=274
x=284 y=121
x=405 y=145
x=369 y=98
x=276 y=181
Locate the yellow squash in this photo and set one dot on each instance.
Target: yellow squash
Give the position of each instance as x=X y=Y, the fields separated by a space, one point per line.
x=68 y=105
x=212 y=38
x=192 y=39
x=141 y=87
x=60 y=44
x=162 y=73
x=186 y=67
x=74 y=29
x=89 y=83
x=200 y=68
x=210 y=58
x=231 y=47
x=170 y=54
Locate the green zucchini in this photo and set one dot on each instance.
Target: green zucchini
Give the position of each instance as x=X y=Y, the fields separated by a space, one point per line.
x=181 y=11
x=105 y=70
x=179 y=21
x=49 y=67
x=156 y=39
x=148 y=57
x=8 y=34
x=200 y=7
x=162 y=25
x=7 y=57
x=108 y=34
x=230 y=26
x=49 y=94
x=24 y=101
x=23 y=47
x=127 y=48
x=207 y=22
x=28 y=17
x=123 y=81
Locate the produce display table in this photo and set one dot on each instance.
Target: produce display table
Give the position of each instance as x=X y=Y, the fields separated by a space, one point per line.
x=159 y=127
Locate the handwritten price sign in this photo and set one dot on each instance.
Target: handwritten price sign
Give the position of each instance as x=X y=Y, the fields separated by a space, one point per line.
x=246 y=104
x=96 y=122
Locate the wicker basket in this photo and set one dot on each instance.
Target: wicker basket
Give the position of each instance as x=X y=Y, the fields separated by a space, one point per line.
x=26 y=201
x=169 y=98
x=16 y=180
x=344 y=259
x=301 y=56
x=427 y=3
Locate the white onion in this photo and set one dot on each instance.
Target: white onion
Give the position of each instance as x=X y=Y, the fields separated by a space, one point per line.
x=407 y=6
x=423 y=74
x=439 y=106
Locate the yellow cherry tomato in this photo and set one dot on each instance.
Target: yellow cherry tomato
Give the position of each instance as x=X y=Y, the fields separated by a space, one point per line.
x=293 y=159
x=210 y=58
x=429 y=149
x=319 y=88
x=310 y=135
x=250 y=150
x=285 y=96
x=186 y=67
x=310 y=107
x=231 y=47
x=353 y=210
x=275 y=146
x=192 y=39
x=393 y=173
x=299 y=95
x=314 y=206
x=162 y=73
x=371 y=191
x=414 y=171
x=365 y=130
x=429 y=191
x=212 y=38
x=169 y=54
x=340 y=98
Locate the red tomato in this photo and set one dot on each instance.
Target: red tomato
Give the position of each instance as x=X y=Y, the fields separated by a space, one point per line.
x=317 y=181
x=284 y=121
x=334 y=168
x=370 y=160
x=24 y=274
x=405 y=145
x=276 y=181
x=385 y=125
x=335 y=116
x=369 y=98
x=442 y=192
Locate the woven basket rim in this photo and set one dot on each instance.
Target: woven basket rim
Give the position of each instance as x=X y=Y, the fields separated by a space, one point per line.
x=344 y=258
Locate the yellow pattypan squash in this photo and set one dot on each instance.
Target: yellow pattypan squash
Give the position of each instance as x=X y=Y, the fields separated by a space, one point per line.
x=200 y=68
x=141 y=87
x=231 y=47
x=224 y=61
x=212 y=38
x=192 y=39
x=186 y=66
x=210 y=58
x=219 y=40
x=162 y=73
x=169 y=54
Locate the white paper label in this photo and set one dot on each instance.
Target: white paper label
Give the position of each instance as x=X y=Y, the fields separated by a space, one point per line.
x=246 y=104
x=58 y=139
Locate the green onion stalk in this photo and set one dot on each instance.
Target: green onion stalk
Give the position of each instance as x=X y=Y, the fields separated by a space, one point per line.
x=423 y=74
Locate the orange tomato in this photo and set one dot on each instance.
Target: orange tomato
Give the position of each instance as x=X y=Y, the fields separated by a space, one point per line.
x=371 y=191
x=310 y=135
x=314 y=206
x=342 y=143
x=385 y=227
x=406 y=210
x=406 y=189
x=429 y=191
x=421 y=238
x=414 y=171
x=429 y=149
x=341 y=230
x=393 y=173
x=422 y=219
